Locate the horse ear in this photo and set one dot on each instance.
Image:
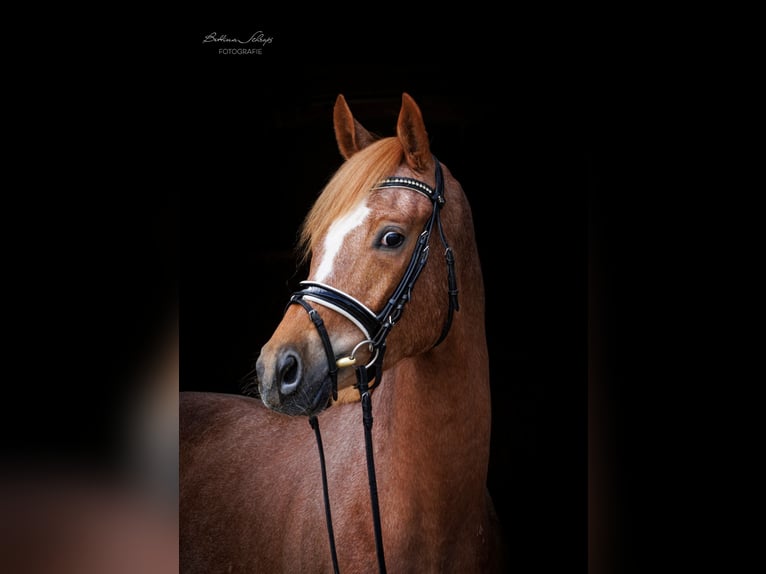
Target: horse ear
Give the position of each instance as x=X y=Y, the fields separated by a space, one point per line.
x=413 y=136
x=349 y=133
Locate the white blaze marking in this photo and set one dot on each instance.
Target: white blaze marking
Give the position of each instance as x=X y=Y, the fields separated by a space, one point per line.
x=335 y=237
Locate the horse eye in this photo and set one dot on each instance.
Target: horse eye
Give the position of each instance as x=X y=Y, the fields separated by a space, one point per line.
x=392 y=239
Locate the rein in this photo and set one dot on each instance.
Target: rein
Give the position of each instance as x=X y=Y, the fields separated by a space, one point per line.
x=375 y=328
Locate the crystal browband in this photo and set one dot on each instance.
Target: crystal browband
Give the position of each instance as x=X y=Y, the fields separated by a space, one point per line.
x=409 y=183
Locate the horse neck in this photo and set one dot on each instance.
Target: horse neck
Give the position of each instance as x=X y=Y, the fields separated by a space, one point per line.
x=434 y=408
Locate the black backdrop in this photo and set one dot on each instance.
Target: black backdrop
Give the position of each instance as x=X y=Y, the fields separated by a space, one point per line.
x=575 y=142
x=511 y=123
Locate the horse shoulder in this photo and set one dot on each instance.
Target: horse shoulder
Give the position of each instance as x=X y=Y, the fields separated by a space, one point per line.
x=235 y=455
x=207 y=423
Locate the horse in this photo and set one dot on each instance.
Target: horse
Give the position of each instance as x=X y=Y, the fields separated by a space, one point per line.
x=382 y=321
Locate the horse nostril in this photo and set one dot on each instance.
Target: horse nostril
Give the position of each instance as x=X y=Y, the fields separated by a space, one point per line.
x=289 y=372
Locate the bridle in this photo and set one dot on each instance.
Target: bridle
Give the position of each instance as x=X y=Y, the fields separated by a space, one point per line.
x=375 y=327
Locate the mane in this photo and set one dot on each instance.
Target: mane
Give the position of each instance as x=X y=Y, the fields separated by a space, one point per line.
x=346 y=188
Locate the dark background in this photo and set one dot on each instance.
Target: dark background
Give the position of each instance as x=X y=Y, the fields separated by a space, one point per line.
x=513 y=128
x=145 y=171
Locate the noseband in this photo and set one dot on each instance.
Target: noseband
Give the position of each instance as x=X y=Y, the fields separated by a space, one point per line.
x=375 y=328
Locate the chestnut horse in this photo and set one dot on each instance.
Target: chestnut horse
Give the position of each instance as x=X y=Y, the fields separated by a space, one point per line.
x=251 y=483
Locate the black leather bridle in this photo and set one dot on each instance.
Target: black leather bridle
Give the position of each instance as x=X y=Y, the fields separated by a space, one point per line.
x=376 y=328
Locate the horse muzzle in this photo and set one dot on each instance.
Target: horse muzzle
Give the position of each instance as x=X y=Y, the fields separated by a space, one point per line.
x=292 y=383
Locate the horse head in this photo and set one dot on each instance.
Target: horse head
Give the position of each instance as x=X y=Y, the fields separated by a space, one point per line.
x=367 y=243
